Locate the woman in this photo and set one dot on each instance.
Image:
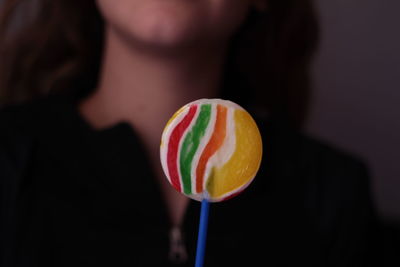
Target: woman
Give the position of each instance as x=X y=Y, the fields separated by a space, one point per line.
x=81 y=180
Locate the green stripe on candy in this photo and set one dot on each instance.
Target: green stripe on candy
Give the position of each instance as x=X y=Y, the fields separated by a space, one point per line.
x=191 y=144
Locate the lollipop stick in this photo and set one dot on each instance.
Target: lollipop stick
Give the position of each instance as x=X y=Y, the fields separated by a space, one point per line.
x=201 y=241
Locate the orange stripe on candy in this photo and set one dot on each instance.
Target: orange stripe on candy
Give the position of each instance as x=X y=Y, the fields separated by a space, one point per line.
x=216 y=141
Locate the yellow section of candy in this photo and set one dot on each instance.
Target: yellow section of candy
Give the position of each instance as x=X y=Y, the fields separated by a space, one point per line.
x=244 y=163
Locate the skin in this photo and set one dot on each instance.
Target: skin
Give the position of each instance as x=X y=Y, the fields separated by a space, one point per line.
x=158 y=56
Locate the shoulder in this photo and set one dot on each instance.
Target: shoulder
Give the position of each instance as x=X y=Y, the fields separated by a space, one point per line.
x=323 y=176
x=24 y=118
x=325 y=181
x=16 y=123
x=34 y=118
x=21 y=125
x=310 y=153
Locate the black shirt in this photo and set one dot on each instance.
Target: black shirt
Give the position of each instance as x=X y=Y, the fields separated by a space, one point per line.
x=75 y=196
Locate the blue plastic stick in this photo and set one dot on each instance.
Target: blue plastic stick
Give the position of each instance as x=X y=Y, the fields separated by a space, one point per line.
x=202 y=238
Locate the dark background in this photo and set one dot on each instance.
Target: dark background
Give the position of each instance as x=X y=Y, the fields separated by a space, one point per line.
x=356 y=98
x=356 y=102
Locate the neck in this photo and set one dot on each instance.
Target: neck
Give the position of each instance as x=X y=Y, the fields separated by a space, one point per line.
x=138 y=85
x=145 y=88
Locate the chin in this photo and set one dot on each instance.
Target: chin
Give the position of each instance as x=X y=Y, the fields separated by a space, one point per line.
x=164 y=31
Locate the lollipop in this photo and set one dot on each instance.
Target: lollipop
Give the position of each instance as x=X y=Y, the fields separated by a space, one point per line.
x=210 y=151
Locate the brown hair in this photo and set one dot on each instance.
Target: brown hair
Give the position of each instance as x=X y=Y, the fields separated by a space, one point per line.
x=58 y=46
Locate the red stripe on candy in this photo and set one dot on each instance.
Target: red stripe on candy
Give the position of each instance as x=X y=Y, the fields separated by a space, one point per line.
x=173 y=146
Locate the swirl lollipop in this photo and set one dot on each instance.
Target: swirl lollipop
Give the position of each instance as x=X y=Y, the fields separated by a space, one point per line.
x=210 y=151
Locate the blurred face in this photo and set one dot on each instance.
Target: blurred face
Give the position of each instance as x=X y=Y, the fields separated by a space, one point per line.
x=175 y=23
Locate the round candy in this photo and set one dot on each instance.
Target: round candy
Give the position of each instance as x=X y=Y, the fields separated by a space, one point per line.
x=211 y=149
